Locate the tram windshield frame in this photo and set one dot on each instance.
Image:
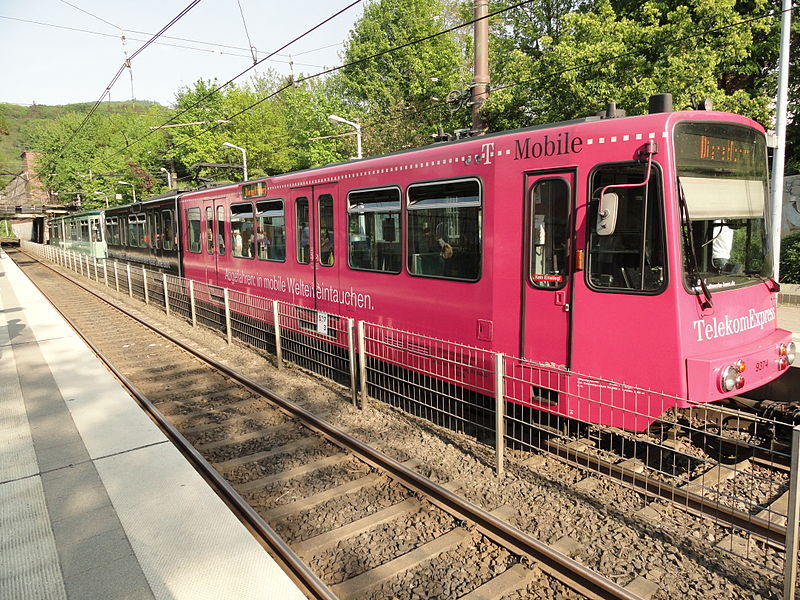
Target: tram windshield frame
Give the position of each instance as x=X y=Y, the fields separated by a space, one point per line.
x=723 y=189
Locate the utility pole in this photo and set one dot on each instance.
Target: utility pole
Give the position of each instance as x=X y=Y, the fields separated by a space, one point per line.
x=480 y=79
x=778 y=157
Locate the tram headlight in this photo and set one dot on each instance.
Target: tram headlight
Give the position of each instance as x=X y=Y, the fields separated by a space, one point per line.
x=727 y=380
x=791 y=352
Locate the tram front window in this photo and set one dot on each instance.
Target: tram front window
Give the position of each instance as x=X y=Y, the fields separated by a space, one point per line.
x=722 y=187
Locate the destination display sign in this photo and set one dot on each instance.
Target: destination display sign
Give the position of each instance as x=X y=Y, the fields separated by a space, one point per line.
x=257 y=189
x=723 y=149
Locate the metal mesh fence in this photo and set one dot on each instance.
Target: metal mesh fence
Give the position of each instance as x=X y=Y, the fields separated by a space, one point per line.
x=252 y=321
x=315 y=340
x=449 y=384
x=178 y=297
x=155 y=289
x=210 y=306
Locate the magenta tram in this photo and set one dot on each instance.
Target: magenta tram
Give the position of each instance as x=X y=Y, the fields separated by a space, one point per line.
x=633 y=249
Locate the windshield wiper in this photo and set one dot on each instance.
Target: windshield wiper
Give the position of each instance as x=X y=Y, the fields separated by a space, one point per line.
x=688 y=241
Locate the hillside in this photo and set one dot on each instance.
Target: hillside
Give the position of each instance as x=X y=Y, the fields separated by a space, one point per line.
x=15 y=120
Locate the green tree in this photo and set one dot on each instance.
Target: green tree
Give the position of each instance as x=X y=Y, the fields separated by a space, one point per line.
x=790 y=259
x=626 y=55
x=84 y=161
x=398 y=94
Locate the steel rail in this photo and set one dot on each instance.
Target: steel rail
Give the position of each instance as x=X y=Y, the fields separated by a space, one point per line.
x=306 y=578
x=763 y=528
x=570 y=572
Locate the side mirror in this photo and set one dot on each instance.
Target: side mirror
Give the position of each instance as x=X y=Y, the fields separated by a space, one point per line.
x=607 y=214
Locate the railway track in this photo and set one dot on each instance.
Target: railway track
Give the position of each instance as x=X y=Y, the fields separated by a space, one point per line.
x=365 y=525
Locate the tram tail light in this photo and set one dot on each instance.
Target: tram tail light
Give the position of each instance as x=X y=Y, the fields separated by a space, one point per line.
x=739 y=382
x=740 y=366
x=786 y=353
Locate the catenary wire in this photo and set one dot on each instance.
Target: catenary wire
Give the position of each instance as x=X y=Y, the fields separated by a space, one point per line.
x=122 y=69
x=231 y=80
x=315 y=75
x=170 y=45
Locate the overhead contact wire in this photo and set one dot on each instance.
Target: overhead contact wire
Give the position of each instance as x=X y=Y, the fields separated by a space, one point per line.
x=231 y=80
x=121 y=70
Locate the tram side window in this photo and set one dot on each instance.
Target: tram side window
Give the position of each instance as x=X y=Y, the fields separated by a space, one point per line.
x=632 y=259
x=97 y=234
x=193 y=229
x=444 y=229
x=221 y=230
x=84 y=231
x=303 y=235
x=549 y=243
x=73 y=231
x=209 y=230
x=271 y=230
x=137 y=237
x=374 y=230
x=242 y=230
x=167 y=233
x=157 y=229
x=326 y=256
x=112 y=225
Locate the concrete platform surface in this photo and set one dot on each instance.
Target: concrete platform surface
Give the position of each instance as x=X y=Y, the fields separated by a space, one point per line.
x=95 y=502
x=789 y=318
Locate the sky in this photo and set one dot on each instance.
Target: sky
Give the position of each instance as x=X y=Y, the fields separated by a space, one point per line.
x=65 y=51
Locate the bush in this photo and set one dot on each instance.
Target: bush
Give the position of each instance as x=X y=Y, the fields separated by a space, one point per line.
x=790 y=259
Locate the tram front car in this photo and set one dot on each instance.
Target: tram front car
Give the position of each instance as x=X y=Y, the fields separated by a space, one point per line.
x=728 y=314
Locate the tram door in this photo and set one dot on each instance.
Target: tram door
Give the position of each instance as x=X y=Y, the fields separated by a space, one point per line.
x=215 y=236
x=547 y=267
x=315 y=253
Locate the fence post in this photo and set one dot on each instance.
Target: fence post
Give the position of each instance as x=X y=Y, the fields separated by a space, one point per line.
x=130 y=284
x=105 y=271
x=227 y=314
x=362 y=364
x=94 y=259
x=144 y=283
x=499 y=408
x=276 y=318
x=166 y=293
x=351 y=356
x=80 y=264
x=790 y=561
x=191 y=303
x=116 y=276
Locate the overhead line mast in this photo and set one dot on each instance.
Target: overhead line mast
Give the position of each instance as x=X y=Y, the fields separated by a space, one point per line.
x=480 y=79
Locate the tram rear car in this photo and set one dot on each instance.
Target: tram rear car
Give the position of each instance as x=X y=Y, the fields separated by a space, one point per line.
x=584 y=248
x=79 y=232
x=146 y=233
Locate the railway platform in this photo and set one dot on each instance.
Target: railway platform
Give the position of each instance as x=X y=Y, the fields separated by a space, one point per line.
x=789 y=315
x=95 y=502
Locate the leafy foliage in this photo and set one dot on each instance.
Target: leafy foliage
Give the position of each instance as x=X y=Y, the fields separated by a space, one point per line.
x=400 y=92
x=88 y=166
x=627 y=54
x=790 y=259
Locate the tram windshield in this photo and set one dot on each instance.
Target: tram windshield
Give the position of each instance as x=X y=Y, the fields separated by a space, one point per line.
x=722 y=180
